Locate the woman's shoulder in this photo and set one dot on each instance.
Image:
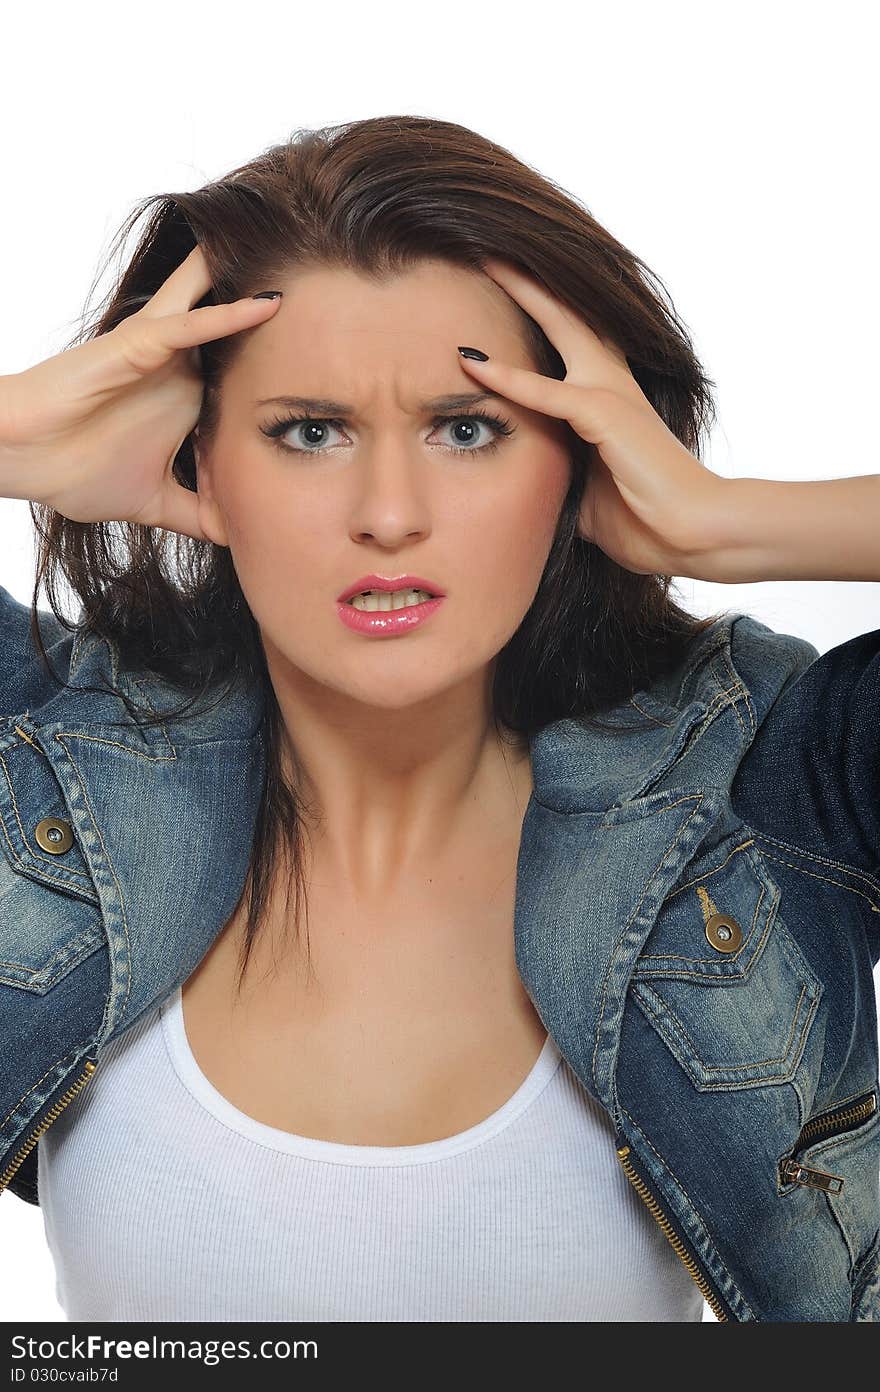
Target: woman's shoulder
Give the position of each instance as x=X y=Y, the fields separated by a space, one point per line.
x=23 y=676
x=813 y=769
x=735 y=657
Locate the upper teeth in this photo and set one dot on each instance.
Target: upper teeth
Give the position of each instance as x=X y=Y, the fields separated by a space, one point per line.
x=388 y=599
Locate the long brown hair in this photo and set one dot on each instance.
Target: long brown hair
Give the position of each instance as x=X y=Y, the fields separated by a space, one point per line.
x=376 y=196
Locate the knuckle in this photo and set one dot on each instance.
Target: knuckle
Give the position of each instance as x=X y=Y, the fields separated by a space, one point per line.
x=598 y=406
x=138 y=341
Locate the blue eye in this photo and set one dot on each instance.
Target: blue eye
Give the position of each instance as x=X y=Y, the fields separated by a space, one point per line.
x=501 y=427
x=317 y=426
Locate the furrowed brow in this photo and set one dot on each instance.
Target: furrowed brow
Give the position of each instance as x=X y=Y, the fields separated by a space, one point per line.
x=320 y=405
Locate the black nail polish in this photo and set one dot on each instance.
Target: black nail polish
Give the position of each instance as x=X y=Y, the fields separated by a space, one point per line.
x=266 y=295
x=474 y=353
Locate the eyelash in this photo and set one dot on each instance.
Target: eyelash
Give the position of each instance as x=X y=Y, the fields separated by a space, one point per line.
x=281 y=424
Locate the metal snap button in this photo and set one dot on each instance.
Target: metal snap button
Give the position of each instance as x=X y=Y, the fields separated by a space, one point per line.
x=54 y=835
x=723 y=932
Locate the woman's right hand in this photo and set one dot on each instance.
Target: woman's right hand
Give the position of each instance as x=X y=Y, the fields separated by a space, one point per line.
x=93 y=432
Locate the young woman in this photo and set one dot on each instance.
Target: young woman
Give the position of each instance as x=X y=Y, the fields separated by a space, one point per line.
x=423 y=499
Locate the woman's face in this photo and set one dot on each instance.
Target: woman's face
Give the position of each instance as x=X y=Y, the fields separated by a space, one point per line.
x=383 y=485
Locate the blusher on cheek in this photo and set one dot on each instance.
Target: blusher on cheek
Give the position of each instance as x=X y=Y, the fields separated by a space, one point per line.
x=524 y=529
x=267 y=543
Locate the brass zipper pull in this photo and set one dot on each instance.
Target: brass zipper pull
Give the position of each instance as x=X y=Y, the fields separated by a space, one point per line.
x=796 y=1173
x=836 y=1121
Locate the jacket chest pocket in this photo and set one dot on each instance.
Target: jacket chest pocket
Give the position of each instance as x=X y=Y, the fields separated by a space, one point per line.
x=50 y=917
x=722 y=979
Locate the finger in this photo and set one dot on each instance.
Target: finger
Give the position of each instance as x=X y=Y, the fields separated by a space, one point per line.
x=213 y=321
x=582 y=407
x=148 y=343
x=587 y=356
x=185 y=286
x=180 y=511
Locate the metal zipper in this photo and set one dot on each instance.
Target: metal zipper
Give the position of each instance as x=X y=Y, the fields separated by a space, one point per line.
x=52 y=1115
x=836 y=1121
x=719 y=1308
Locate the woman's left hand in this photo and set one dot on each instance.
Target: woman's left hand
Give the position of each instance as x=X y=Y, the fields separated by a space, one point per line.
x=648 y=502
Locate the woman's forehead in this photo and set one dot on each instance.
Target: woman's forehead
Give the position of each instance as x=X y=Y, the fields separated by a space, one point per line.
x=343 y=336
x=431 y=298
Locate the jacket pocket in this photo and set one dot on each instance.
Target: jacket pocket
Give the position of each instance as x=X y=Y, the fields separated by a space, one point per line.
x=50 y=916
x=836 y=1158
x=44 y=933
x=722 y=979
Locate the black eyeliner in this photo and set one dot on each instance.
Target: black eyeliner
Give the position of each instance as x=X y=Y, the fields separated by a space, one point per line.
x=280 y=425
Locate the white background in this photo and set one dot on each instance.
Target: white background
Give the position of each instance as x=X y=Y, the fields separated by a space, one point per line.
x=732 y=147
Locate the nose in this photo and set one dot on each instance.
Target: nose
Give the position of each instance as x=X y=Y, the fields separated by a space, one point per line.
x=390 y=500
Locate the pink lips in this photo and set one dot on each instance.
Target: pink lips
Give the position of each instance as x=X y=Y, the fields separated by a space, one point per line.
x=388 y=623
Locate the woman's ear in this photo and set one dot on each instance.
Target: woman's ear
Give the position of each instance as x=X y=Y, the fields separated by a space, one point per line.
x=209 y=512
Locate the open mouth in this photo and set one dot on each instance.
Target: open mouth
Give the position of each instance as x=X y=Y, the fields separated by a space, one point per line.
x=383 y=601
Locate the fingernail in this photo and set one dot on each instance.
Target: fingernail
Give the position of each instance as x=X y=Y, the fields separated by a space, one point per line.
x=266 y=295
x=474 y=353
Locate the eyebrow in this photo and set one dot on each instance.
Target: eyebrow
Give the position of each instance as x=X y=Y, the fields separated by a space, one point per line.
x=321 y=405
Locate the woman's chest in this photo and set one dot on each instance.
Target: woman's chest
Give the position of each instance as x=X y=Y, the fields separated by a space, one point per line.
x=411 y=1025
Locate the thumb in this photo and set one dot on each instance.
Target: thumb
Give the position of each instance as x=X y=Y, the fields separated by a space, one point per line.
x=180 y=512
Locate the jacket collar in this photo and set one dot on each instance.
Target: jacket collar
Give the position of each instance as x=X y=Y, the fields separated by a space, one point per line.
x=576 y=767
x=579 y=768
x=95 y=661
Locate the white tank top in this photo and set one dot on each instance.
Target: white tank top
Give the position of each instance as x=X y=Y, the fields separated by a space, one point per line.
x=163 y=1201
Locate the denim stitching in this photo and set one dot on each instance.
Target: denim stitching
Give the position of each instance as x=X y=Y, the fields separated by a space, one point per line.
x=706 y=874
x=85 y=795
x=668 y=724
x=730 y=956
x=56 y=1064
x=59 y=956
x=855 y=870
x=823 y=860
x=749 y=704
x=696 y=798
x=117 y=744
x=717 y=703
x=721 y=1067
x=699 y=654
x=82 y=637
x=735 y=689
x=666 y=1166
x=33 y=743
x=815 y=876
x=35 y=855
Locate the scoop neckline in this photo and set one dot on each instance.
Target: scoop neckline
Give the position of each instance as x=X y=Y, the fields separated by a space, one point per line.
x=338 y=1152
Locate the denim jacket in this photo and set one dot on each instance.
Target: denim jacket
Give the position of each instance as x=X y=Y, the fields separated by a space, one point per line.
x=693 y=940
